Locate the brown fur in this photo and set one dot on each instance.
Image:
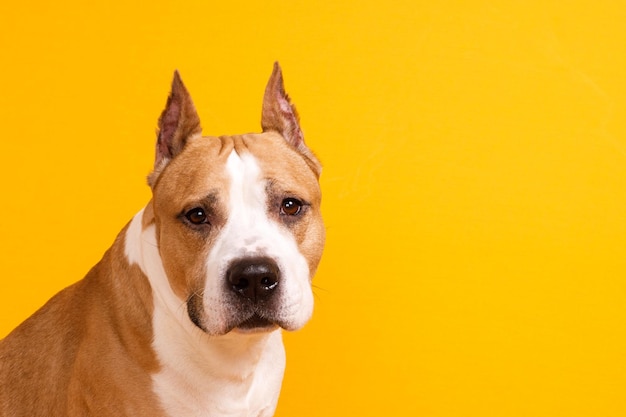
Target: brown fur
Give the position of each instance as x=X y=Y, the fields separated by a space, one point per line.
x=72 y=354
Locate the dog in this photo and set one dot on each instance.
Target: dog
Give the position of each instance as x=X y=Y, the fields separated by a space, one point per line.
x=183 y=314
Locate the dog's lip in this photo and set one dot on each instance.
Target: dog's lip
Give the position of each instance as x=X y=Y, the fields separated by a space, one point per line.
x=256 y=323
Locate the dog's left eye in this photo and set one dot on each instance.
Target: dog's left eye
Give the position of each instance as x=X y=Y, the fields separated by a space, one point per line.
x=291 y=206
x=197 y=216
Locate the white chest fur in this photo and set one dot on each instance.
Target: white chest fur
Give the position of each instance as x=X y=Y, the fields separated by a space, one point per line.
x=232 y=375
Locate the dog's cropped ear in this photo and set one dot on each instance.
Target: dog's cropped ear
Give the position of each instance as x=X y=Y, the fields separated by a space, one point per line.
x=178 y=122
x=279 y=115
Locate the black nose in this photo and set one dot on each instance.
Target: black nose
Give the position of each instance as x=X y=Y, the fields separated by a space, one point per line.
x=254 y=278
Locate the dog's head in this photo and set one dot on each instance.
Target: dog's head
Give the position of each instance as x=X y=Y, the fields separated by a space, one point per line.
x=237 y=218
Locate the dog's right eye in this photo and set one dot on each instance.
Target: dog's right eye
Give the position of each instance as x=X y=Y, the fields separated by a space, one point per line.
x=197 y=216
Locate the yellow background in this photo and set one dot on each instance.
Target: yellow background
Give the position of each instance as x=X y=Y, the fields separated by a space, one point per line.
x=474 y=182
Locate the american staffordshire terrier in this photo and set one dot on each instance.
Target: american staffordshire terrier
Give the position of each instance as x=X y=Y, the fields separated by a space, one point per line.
x=183 y=314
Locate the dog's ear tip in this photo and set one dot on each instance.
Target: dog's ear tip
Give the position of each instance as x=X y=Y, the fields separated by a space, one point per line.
x=177 y=80
x=276 y=82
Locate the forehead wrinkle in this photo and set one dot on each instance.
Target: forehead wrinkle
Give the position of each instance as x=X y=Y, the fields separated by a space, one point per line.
x=208 y=199
x=277 y=160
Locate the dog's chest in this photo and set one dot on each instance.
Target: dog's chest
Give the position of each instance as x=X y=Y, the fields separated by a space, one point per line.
x=217 y=383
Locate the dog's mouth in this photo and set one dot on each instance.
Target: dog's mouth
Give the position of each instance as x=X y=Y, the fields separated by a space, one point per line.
x=250 y=321
x=256 y=323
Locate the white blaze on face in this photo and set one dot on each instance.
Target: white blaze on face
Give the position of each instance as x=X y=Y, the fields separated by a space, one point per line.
x=250 y=232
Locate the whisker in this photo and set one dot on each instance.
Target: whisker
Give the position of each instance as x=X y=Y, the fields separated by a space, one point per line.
x=197 y=293
x=317 y=287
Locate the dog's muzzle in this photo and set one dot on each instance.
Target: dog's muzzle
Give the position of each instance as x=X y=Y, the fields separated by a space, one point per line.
x=252 y=286
x=255 y=282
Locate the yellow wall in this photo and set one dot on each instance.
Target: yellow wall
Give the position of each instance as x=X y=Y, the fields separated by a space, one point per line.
x=475 y=182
